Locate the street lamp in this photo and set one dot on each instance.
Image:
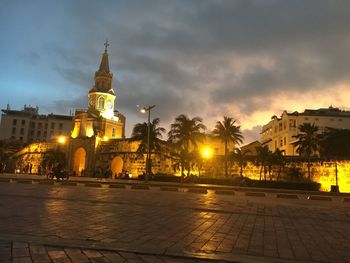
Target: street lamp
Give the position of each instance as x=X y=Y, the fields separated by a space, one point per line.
x=148 y=159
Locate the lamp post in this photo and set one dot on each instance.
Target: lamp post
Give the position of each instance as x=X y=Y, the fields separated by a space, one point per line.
x=148 y=159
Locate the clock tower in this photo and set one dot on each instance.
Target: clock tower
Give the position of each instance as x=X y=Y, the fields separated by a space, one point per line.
x=102 y=96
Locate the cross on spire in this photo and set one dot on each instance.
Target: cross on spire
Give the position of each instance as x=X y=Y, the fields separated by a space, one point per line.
x=106 y=44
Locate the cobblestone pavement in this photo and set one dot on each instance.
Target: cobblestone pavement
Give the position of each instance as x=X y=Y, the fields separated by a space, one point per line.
x=22 y=252
x=162 y=224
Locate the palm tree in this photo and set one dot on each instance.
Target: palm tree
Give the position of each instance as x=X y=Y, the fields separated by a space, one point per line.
x=308 y=142
x=140 y=132
x=227 y=132
x=241 y=158
x=279 y=160
x=262 y=156
x=184 y=134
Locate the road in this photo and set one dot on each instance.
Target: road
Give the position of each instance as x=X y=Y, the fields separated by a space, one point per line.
x=172 y=225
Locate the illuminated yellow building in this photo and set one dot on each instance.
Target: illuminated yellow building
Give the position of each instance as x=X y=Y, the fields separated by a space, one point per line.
x=100 y=122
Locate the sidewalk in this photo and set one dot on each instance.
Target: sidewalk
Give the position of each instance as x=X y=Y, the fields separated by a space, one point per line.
x=83 y=180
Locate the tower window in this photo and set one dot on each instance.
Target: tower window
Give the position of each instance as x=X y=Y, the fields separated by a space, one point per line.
x=101 y=103
x=113 y=132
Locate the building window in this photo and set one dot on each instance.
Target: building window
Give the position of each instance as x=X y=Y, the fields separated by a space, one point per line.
x=38 y=133
x=46 y=125
x=52 y=125
x=23 y=122
x=14 y=122
x=60 y=126
x=51 y=133
x=13 y=130
x=39 y=125
x=281 y=142
x=45 y=134
x=22 y=131
x=33 y=125
x=113 y=132
x=340 y=119
x=21 y=138
x=285 y=140
x=101 y=103
x=32 y=133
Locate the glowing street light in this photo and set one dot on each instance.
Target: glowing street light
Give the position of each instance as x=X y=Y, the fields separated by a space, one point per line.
x=61 y=140
x=207 y=153
x=148 y=159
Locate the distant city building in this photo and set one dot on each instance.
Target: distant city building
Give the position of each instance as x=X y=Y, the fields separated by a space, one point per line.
x=29 y=126
x=279 y=132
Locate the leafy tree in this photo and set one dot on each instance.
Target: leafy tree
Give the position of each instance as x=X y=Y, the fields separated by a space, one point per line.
x=335 y=144
x=140 y=132
x=227 y=132
x=241 y=158
x=308 y=143
x=184 y=135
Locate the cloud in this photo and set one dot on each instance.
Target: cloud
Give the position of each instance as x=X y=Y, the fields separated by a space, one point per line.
x=245 y=59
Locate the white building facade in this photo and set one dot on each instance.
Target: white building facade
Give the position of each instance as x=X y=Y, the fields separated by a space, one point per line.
x=279 y=132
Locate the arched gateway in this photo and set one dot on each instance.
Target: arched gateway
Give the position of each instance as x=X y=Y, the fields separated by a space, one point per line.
x=79 y=161
x=116 y=166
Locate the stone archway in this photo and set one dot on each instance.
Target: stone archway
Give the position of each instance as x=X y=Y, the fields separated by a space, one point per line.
x=79 y=161
x=116 y=166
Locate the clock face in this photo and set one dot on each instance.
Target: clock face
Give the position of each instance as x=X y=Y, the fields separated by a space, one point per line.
x=109 y=104
x=91 y=101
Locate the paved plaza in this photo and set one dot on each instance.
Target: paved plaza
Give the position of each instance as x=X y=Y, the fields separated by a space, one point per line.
x=68 y=223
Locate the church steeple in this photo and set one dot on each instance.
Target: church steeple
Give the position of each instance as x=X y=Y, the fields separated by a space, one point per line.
x=102 y=96
x=104 y=65
x=103 y=77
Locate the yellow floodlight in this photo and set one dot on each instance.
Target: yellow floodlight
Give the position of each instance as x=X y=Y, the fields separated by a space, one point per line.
x=207 y=152
x=61 y=139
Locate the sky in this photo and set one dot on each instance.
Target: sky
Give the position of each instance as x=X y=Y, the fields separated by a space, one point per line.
x=246 y=59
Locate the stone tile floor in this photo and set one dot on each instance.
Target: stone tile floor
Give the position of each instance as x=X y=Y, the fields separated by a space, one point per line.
x=23 y=252
x=163 y=224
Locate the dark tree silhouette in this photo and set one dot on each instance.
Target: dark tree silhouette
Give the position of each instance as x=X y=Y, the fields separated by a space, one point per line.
x=241 y=158
x=140 y=132
x=308 y=143
x=227 y=132
x=184 y=135
x=262 y=157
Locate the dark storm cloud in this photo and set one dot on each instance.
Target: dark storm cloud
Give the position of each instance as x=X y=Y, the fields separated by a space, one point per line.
x=202 y=57
x=74 y=75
